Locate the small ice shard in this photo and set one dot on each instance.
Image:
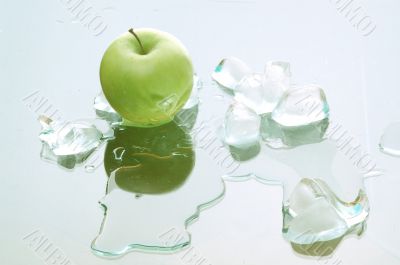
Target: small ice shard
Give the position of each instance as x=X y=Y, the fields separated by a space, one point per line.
x=313 y=213
x=71 y=143
x=186 y=117
x=390 y=140
x=229 y=72
x=301 y=117
x=241 y=127
x=262 y=92
x=104 y=110
x=194 y=96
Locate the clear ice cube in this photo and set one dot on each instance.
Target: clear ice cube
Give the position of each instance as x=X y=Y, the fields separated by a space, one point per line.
x=262 y=92
x=313 y=213
x=250 y=92
x=241 y=127
x=301 y=117
x=276 y=81
x=104 y=110
x=390 y=140
x=229 y=72
x=70 y=143
x=278 y=71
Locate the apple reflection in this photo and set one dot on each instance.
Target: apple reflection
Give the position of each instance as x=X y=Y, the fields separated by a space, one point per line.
x=176 y=181
x=154 y=160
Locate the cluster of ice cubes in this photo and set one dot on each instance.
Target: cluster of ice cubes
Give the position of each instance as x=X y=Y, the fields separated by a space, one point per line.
x=266 y=106
x=71 y=143
x=292 y=120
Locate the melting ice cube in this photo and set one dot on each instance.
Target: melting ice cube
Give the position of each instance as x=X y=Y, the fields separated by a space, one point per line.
x=301 y=117
x=242 y=126
x=71 y=143
x=276 y=82
x=278 y=71
x=390 y=140
x=250 y=92
x=104 y=109
x=262 y=92
x=313 y=213
x=229 y=72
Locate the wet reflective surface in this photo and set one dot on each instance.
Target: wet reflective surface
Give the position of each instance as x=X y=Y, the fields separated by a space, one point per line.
x=159 y=179
x=156 y=182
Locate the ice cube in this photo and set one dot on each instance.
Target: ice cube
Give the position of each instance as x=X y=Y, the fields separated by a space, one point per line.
x=70 y=143
x=390 y=140
x=278 y=71
x=229 y=72
x=250 y=92
x=262 y=92
x=319 y=222
x=313 y=213
x=276 y=81
x=301 y=117
x=241 y=126
x=104 y=110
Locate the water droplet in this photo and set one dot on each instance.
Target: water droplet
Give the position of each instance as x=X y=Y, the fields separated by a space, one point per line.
x=90 y=168
x=119 y=153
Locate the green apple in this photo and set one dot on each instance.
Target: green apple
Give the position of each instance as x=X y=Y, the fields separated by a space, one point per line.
x=146 y=76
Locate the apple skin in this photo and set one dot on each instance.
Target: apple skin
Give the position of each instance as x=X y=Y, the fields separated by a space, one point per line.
x=136 y=82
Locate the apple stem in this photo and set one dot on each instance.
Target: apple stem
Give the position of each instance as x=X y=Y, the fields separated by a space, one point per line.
x=137 y=37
